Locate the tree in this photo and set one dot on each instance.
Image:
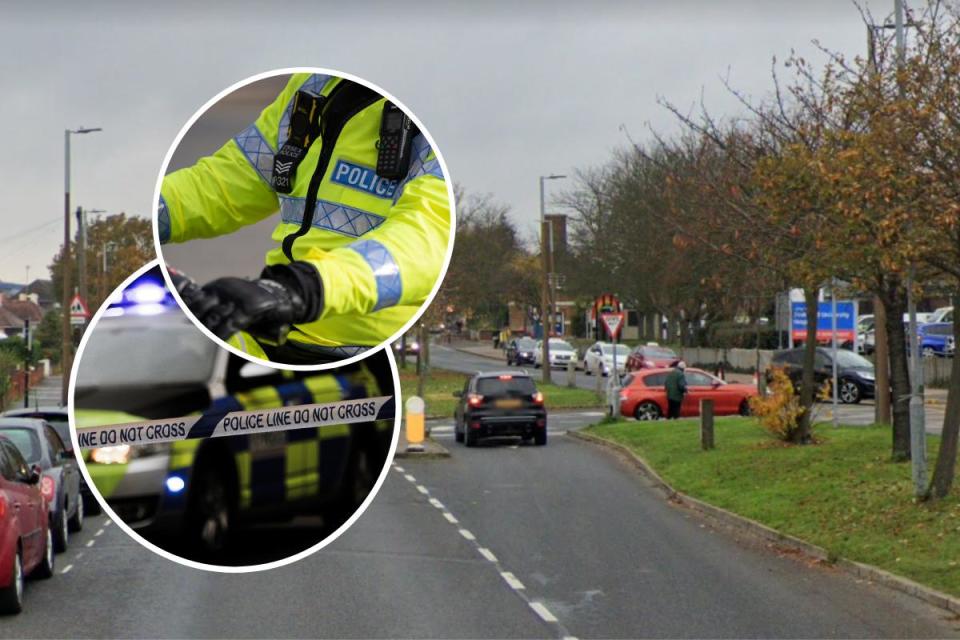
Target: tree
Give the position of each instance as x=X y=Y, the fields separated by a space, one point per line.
x=8 y=369
x=46 y=339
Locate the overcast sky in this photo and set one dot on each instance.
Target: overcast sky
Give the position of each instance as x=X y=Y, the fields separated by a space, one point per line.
x=516 y=92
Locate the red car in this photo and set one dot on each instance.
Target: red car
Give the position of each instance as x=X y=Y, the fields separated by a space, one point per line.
x=26 y=542
x=644 y=397
x=651 y=356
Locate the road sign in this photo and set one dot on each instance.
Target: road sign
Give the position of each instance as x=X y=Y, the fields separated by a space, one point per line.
x=613 y=322
x=846 y=321
x=78 y=310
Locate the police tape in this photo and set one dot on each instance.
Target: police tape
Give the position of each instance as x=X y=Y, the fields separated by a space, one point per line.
x=236 y=423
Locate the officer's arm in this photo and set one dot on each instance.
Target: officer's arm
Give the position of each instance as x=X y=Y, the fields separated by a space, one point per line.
x=229 y=189
x=400 y=261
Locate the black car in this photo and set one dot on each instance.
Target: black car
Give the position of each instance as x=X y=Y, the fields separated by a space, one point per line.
x=855 y=374
x=57 y=417
x=521 y=351
x=40 y=445
x=500 y=404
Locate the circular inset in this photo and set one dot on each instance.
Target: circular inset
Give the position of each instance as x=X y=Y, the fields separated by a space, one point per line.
x=214 y=461
x=317 y=229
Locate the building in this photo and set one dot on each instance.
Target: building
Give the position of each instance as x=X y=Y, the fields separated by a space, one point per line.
x=15 y=312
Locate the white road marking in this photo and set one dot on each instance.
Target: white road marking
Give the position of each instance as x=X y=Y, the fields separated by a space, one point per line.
x=543 y=612
x=441 y=430
x=466 y=534
x=398 y=469
x=436 y=503
x=450 y=518
x=90 y=543
x=108 y=523
x=410 y=478
x=422 y=489
x=511 y=579
x=98 y=533
x=486 y=553
x=66 y=569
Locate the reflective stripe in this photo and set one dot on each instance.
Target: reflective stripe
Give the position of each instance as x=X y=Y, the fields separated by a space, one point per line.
x=257 y=150
x=330 y=216
x=385 y=271
x=419 y=165
x=314 y=84
x=163 y=221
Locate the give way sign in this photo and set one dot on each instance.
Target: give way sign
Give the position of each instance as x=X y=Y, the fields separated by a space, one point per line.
x=613 y=322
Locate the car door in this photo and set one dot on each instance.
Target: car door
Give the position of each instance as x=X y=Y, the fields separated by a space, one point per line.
x=459 y=410
x=25 y=502
x=70 y=474
x=699 y=386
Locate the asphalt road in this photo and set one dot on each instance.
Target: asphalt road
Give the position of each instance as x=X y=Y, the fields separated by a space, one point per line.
x=445 y=357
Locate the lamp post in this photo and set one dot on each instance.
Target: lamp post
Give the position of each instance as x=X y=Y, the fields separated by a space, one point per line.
x=67 y=347
x=546 y=248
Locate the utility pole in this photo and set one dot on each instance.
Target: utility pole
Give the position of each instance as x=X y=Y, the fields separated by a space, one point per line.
x=546 y=249
x=28 y=356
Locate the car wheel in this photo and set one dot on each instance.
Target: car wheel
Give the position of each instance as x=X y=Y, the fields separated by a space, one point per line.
x=210 y=512
x=45 y=568
x=76 y=522
x=536 y=365
x=928 y=352
x=469 y=437
x=11 y=597
x=744 y=407
x=849 y=392
x=61 y=530
x=586 y=369
x=540 y=437
x=647 y=411
x=90 y=505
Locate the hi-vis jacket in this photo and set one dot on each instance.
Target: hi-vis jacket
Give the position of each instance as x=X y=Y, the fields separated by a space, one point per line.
x=377 y=244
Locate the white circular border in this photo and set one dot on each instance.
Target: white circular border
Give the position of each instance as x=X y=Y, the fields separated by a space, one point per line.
x=289 y=71
x=91 y=327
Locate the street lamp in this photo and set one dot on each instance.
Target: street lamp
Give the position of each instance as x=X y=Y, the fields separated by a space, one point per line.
x=546 y=317
x=67 y=356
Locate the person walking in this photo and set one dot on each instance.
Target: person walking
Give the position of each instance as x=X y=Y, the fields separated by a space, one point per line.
x=676 y=385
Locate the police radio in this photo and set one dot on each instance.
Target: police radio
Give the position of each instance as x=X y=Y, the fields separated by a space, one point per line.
x=396 y=137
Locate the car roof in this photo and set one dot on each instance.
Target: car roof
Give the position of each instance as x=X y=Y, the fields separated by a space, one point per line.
x=496 y=374
x=31 y=410
x=32 y=423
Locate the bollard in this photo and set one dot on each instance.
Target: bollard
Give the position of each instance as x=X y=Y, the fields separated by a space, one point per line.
x=600 y=393
x=706 y=424
x=415 y=423
x=571 y=374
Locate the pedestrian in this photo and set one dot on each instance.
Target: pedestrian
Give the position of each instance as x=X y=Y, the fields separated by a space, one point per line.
x=676 y=385
x=362 y=232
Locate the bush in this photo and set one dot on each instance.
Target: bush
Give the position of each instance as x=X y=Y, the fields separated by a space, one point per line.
x=779 y=411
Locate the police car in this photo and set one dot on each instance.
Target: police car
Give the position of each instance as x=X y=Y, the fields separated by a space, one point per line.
x=146 y=360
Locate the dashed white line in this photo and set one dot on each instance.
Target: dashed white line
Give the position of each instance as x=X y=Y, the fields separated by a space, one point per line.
x=422 y=489
x=410 y=478
x=98 y=533
x=108 y=523
x=486 y=553
x=436 y=503
x=90 y=543
x=466 y=534
x=450 y=518
x=398 y=469
x=512 y=580
x=66 y=569
x=78 y=556
x=543 y=612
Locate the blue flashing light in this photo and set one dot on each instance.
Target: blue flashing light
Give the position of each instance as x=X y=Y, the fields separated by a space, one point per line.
x=175 y=484
x=146 y=292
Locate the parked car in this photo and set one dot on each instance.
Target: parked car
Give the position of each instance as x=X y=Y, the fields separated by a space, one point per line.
x=560 y=353
x=936 y=339
x=644 y=397
x=521 y=351
x=855 y=373
x=60 y=485
x=410 y=348
x=943 y=314
x=57 y=417
x=598 y=358
x=651 y=356
x=26 y=543
x=500 y=404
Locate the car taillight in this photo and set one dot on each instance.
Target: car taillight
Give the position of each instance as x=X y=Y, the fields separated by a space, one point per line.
x=48 y=487
x=474 y=399
x=538 y=398
x=3 y=507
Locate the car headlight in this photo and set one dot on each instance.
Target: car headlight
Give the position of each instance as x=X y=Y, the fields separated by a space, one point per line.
x=124 y=453
x=866 y=375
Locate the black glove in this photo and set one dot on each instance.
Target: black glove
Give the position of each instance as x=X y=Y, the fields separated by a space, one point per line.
x=284 y=295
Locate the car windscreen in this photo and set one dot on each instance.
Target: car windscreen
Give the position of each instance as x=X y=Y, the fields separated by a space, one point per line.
x=57 y=420
x=526 y=344
x=26 y=441
x=622 y=350
x=163 y=352
x=852 y=360
x=658 y=352
x=506 y=386
x=560 y=345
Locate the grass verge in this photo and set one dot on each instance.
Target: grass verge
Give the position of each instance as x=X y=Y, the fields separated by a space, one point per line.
x=440 y=385
x=843 y=494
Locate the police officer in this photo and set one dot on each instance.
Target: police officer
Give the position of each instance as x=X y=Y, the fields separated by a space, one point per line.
x=363 y=231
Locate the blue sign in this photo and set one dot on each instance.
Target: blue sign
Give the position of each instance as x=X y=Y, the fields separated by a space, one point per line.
x=846 y=320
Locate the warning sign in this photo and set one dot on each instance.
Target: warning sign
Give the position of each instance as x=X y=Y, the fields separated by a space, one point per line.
x=79 y=314
x=613 y=322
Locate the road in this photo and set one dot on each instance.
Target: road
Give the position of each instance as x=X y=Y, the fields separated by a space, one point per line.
x=499 y=541
x=445 y=357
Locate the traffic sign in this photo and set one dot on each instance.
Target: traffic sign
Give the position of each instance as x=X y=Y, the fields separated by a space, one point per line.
x=78 y=310
x=613 y=322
